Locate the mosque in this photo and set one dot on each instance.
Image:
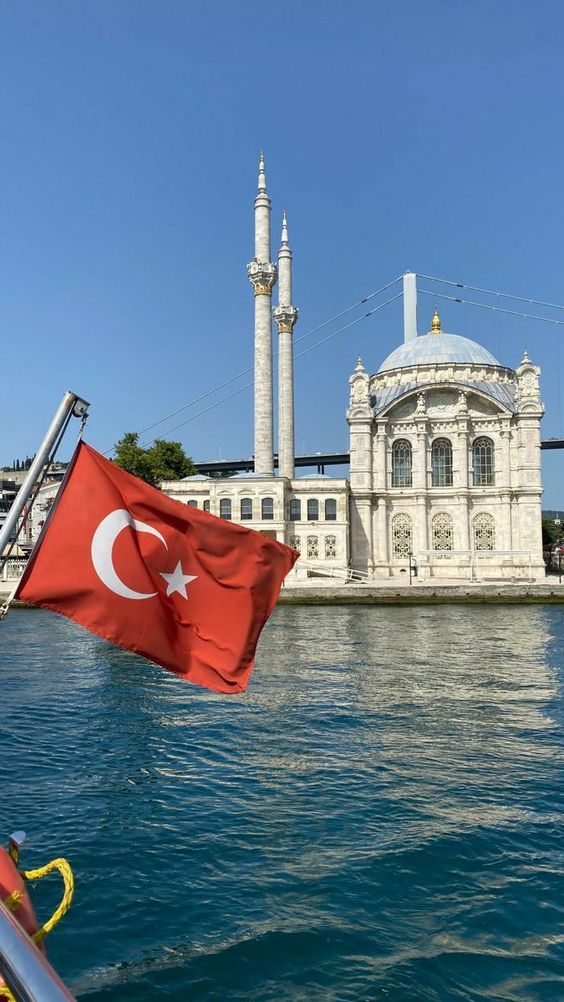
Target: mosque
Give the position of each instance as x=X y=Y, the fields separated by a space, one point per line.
x=445 y=461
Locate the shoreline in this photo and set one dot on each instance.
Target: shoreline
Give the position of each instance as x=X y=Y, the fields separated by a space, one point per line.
x=420 y=593
x=545 y=593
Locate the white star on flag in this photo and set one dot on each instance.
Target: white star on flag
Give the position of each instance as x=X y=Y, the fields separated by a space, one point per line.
x=177 y=581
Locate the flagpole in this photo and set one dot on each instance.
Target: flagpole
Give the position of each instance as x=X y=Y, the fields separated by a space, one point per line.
x=71 y=405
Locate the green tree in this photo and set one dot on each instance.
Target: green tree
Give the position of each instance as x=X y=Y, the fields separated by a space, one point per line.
x=162 y=461
x=133 y=458
x=551 y=533
x=169 y=461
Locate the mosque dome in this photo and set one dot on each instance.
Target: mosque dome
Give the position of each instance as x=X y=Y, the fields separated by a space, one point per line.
x=437 y=347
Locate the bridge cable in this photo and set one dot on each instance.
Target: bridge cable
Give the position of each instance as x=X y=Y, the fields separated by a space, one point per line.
x=495 y=309
x=244 y=372
x=490 y=292
x=324 y=340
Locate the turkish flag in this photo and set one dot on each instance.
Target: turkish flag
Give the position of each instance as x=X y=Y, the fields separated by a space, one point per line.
x=181 y=587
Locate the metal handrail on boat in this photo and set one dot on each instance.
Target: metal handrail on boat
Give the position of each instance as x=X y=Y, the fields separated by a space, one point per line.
x=25 y=970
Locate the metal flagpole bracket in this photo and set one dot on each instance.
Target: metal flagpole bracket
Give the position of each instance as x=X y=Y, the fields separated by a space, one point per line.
x=71 y=405
x=80 y=408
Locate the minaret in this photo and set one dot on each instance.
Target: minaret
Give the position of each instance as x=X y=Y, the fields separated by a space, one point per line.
x=262 y=276
x=285 y=316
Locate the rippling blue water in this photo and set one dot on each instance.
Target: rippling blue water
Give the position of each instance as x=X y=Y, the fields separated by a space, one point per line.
x=379 y=817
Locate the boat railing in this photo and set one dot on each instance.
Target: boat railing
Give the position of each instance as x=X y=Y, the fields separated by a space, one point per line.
x=25 y=970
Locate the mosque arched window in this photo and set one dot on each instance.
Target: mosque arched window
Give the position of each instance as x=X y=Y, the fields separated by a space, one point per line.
x=330 y=510
x=401 y=463
x=295 y=512
x=443 y=532
x=225 y=508
x=246 y=509
x=192 y=503
x=483 y=462
x=402 y=535
x=312 y=509
x=267 y=509
x=484 y=531
x=441 y=463
x=207 y=505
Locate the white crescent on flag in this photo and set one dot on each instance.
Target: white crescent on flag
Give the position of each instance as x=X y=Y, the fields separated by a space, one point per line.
x=102 y=545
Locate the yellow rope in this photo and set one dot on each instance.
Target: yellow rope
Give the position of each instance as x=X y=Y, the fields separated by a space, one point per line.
x=66 y=873
x=13 y=901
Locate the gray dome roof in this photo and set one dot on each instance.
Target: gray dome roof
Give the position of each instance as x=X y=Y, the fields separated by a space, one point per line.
x=430 y=349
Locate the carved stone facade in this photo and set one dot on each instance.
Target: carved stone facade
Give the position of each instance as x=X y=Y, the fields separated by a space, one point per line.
x=445 y=463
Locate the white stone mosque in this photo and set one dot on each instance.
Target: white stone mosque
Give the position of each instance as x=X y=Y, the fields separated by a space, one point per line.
x=445 y=461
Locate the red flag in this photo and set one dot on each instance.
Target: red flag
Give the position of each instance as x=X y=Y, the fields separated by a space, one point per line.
x=181 y=587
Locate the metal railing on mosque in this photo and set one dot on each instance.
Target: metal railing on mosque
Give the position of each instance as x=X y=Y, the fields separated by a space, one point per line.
x=478 y=562
x=13 y=568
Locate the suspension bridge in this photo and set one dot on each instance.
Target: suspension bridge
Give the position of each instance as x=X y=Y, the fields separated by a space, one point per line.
x=317 y=460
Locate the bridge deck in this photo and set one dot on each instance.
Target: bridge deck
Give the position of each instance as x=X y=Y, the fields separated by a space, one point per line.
x=319 y=460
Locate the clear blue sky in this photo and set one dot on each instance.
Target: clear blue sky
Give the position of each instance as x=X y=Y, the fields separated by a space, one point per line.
x=423 y=136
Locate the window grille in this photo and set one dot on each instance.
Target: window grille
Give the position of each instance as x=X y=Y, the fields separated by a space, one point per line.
x=295 y=510
x=207 y=505
x=312 y=547
x=330 y=510
x=267 y=509
x=330 y=547
x=441 y=463
x=192 y=504
x=246 y=509
x=313 y=510
x=225 y=508
x=295 y=543
x=402 y=535
x=443 y=532
x=483 y=462
x=484 y=532
x=401 y=463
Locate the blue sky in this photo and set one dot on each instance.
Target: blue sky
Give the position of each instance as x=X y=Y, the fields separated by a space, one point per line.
x=422 y=136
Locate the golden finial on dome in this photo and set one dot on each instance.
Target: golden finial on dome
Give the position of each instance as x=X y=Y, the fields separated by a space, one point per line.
x=436 y=324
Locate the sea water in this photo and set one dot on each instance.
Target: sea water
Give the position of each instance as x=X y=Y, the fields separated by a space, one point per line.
x=378 y=817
